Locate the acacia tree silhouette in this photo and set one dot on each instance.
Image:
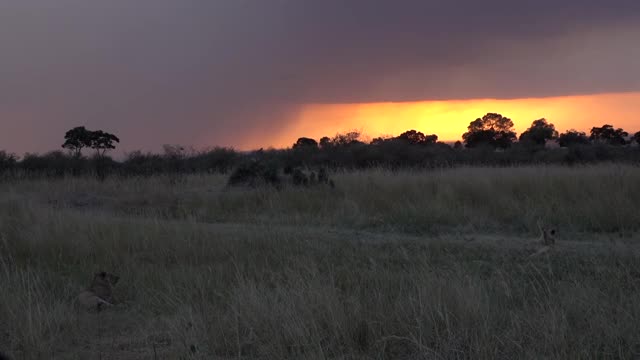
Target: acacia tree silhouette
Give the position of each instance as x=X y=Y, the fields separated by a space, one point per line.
x=572 y=138
x=305 y=143
x=539 y=132
x=102 y=141
x=77 y=139
x=492 y=130
x=609 y=135
x=80 y=137
x=417 y=138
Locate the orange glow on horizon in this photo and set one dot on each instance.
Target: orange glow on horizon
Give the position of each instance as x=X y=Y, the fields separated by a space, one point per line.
x=449 y=119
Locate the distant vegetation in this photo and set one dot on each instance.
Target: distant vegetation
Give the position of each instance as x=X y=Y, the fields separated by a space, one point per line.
x=393 y=262
x=488 y=141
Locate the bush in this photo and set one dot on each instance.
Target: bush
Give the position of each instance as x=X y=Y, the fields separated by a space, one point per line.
x=55 y=164
x=216 y=160
x=255 y=173
x=8 y=162
x=140 y=164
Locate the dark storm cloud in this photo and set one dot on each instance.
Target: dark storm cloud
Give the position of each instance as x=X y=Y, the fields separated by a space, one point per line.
x=190 y=72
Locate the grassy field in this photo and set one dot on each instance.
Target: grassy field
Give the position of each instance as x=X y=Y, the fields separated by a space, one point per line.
x=388 y=265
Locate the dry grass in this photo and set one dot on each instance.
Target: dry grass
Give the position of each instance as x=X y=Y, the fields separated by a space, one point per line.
x=410 y=265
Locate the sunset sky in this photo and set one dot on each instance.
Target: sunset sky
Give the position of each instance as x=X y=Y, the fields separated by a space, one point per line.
x=255 y=73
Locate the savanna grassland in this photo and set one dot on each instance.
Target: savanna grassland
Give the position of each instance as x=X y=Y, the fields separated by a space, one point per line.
x=386 y=265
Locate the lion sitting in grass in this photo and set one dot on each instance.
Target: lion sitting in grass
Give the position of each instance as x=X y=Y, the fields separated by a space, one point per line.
x=547 y=240
x=100 y=293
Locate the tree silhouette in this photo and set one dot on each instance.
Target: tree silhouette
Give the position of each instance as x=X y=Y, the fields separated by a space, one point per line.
x=492 y=129
x=325 y=142
x=349 y=138
x=608 y=135
x=102 y=141
x=305 y=143
x=378 y=140
x=572 y=137
x=636 y=137
x=77 y=139
x=417 y=138
x=7 y=161
x=539 y=132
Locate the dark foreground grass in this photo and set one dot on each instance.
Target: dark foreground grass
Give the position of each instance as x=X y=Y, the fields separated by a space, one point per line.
x=285 y=290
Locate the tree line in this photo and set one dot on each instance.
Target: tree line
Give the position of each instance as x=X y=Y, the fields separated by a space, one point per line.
x=494 y=131
x=489 y=140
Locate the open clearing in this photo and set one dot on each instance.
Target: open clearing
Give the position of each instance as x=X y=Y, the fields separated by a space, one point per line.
x=388 y=265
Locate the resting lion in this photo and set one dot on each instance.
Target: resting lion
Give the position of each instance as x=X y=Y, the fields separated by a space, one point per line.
x=547 y=240
x=100 y=293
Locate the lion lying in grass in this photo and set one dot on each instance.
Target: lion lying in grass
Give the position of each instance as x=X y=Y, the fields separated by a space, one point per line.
x=100 y=293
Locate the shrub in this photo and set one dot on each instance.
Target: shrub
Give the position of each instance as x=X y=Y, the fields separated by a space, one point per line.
x=8 y=161
x=255 y=173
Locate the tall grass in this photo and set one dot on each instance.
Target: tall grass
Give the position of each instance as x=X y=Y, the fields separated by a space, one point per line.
x=411 y=265
x=488 y=200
